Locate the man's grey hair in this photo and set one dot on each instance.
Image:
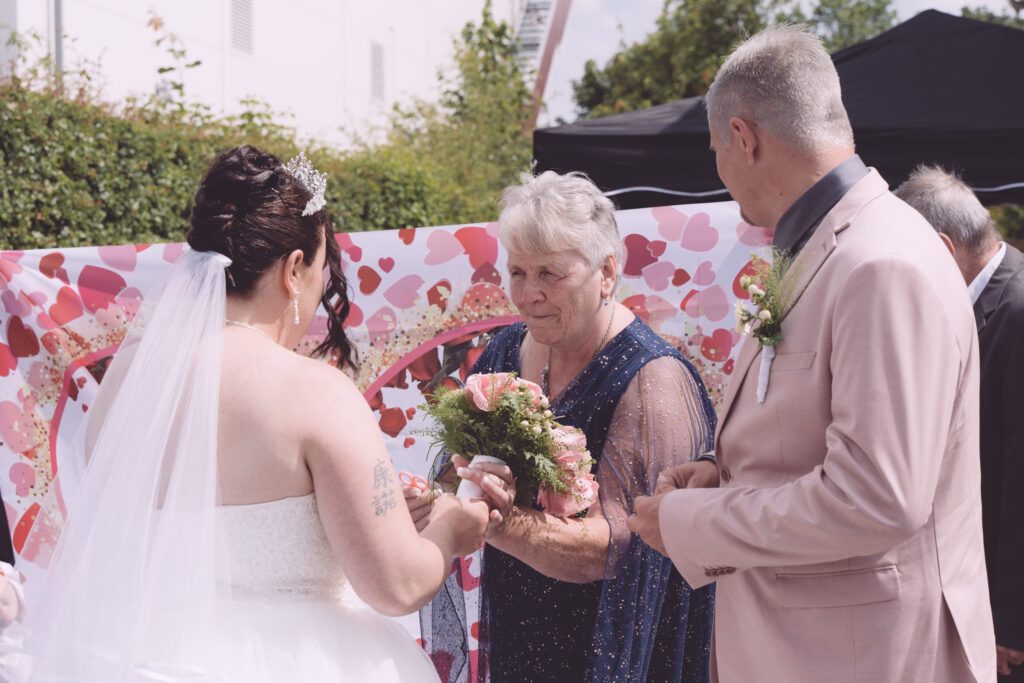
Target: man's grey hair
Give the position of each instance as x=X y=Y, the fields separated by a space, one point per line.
x=783 y=80
x=950 y=206
x=552 y=213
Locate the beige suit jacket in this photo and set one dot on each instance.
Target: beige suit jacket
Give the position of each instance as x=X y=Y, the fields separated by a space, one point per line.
x=846 y=535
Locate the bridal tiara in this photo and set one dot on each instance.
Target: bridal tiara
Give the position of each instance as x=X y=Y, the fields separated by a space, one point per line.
x=313 y=180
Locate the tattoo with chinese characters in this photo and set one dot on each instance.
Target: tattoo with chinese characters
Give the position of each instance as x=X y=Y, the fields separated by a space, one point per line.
x=384 y=500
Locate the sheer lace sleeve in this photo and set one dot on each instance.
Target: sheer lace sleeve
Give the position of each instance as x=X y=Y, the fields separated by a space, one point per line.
x=658 y=423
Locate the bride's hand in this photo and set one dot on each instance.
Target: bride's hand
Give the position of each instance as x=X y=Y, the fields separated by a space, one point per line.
x=420 y=503
x=465 y=520
x=498 y=485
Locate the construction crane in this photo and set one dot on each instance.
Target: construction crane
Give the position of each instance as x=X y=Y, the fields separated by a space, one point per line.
x=541 y=26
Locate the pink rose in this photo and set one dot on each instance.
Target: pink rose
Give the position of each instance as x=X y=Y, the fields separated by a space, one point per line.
x=581 y=496
x=570 y=449
x=569 y=438
x=485 y=390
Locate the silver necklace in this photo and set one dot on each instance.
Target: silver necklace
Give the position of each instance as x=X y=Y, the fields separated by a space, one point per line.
x=247 y=326
x=547 y=368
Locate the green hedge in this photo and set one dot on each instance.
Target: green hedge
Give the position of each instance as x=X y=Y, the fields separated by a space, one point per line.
x=75 y=174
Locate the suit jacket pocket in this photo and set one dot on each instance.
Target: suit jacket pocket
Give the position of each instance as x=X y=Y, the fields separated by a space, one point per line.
x=793 y=361
x=839 y=589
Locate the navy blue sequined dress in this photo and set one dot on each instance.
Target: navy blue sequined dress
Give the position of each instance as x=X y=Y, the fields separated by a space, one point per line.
x=642 y=622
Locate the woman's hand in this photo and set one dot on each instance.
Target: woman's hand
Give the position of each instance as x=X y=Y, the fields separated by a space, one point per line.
x=701 y=474
x=498 y=485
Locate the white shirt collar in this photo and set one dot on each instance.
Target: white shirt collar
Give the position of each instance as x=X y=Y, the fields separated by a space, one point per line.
x=980 y=282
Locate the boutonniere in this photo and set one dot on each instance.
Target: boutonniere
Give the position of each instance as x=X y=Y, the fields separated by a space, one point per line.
x=764 y=322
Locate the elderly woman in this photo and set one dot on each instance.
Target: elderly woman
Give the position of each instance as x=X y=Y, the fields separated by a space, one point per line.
x=583 y=598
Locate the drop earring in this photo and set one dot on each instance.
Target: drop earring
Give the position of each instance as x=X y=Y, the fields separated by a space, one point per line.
x=295 y=306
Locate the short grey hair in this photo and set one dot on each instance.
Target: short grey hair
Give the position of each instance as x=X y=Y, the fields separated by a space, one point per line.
x=783 y=80
x=950 y=206
x=550 y=213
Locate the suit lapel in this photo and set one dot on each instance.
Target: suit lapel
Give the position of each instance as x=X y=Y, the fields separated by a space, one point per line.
x=802 y=272
x=750 y=350
x=803 y=269
x=1013 y=261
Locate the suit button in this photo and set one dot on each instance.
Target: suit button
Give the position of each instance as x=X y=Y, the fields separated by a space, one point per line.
x=718 y=571
x=725 y=474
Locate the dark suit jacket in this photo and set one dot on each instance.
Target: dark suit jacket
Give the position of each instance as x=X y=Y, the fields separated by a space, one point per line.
x=1000 y=315
x=6 y=549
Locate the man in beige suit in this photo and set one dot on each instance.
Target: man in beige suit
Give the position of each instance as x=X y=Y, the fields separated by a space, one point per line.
x=845 y=534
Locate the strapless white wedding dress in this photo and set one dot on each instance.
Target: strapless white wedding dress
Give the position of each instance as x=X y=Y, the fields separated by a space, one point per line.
x=293 y=616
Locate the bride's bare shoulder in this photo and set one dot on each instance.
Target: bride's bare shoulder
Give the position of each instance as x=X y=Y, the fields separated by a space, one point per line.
x=318 y=380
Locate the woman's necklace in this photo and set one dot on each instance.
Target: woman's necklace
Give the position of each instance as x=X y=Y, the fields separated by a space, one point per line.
x=247 y=326
x=547 y=368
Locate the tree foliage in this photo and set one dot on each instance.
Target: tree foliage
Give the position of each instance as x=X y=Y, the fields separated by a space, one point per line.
x=678 y=59
x=477 y=138
x=1005 y=18
x=842 y=23
x=76 y=170
x=693 y=37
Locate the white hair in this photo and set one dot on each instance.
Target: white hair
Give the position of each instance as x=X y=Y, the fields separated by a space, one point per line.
x=783 y=80
x=551 y=213
x=950 y=206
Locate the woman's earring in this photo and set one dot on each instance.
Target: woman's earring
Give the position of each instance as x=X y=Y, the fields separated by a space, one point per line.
x=604 y=301
x=295 y=305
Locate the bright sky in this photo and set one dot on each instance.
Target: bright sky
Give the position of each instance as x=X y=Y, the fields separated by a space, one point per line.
x=596 y=29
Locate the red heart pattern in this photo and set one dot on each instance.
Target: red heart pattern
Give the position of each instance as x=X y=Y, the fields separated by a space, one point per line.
x=717 y=347
x=638 y=255
x=369 y=280
x=22 y=340
x=67 y=308
x=99 y=287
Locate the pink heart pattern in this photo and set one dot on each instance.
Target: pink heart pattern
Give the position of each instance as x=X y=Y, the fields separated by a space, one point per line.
x=711 y=303
x=670 y=222
x=699 y=234
x=405 y=292
x=705 y=275
x=442 y=247
x=23 y=477
x=122 y=257
x=657 y=275
x=754 y=236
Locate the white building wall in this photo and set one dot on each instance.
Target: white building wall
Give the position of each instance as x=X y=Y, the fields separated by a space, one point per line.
x=310 y=58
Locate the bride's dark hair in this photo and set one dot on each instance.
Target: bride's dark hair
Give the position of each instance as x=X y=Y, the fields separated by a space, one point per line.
x=249 y=208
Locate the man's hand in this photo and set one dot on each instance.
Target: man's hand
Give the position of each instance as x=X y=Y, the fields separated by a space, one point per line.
x=1007 y=657
x=644 y=521
x=702 y=474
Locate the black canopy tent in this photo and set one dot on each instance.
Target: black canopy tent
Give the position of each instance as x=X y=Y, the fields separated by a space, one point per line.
x=936 y=89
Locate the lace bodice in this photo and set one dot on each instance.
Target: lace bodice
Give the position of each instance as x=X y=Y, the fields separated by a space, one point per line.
x=278 y=551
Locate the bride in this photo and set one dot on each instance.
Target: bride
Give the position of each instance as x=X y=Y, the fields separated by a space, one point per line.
x=239 y=519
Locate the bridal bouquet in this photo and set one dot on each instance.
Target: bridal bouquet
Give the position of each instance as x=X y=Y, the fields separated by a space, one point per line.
x=508 y=418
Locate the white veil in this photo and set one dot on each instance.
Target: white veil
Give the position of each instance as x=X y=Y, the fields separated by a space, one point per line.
x=132 y=590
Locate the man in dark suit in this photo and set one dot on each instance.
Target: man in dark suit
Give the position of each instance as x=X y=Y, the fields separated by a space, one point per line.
x=6 y=548
x=994 y=272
